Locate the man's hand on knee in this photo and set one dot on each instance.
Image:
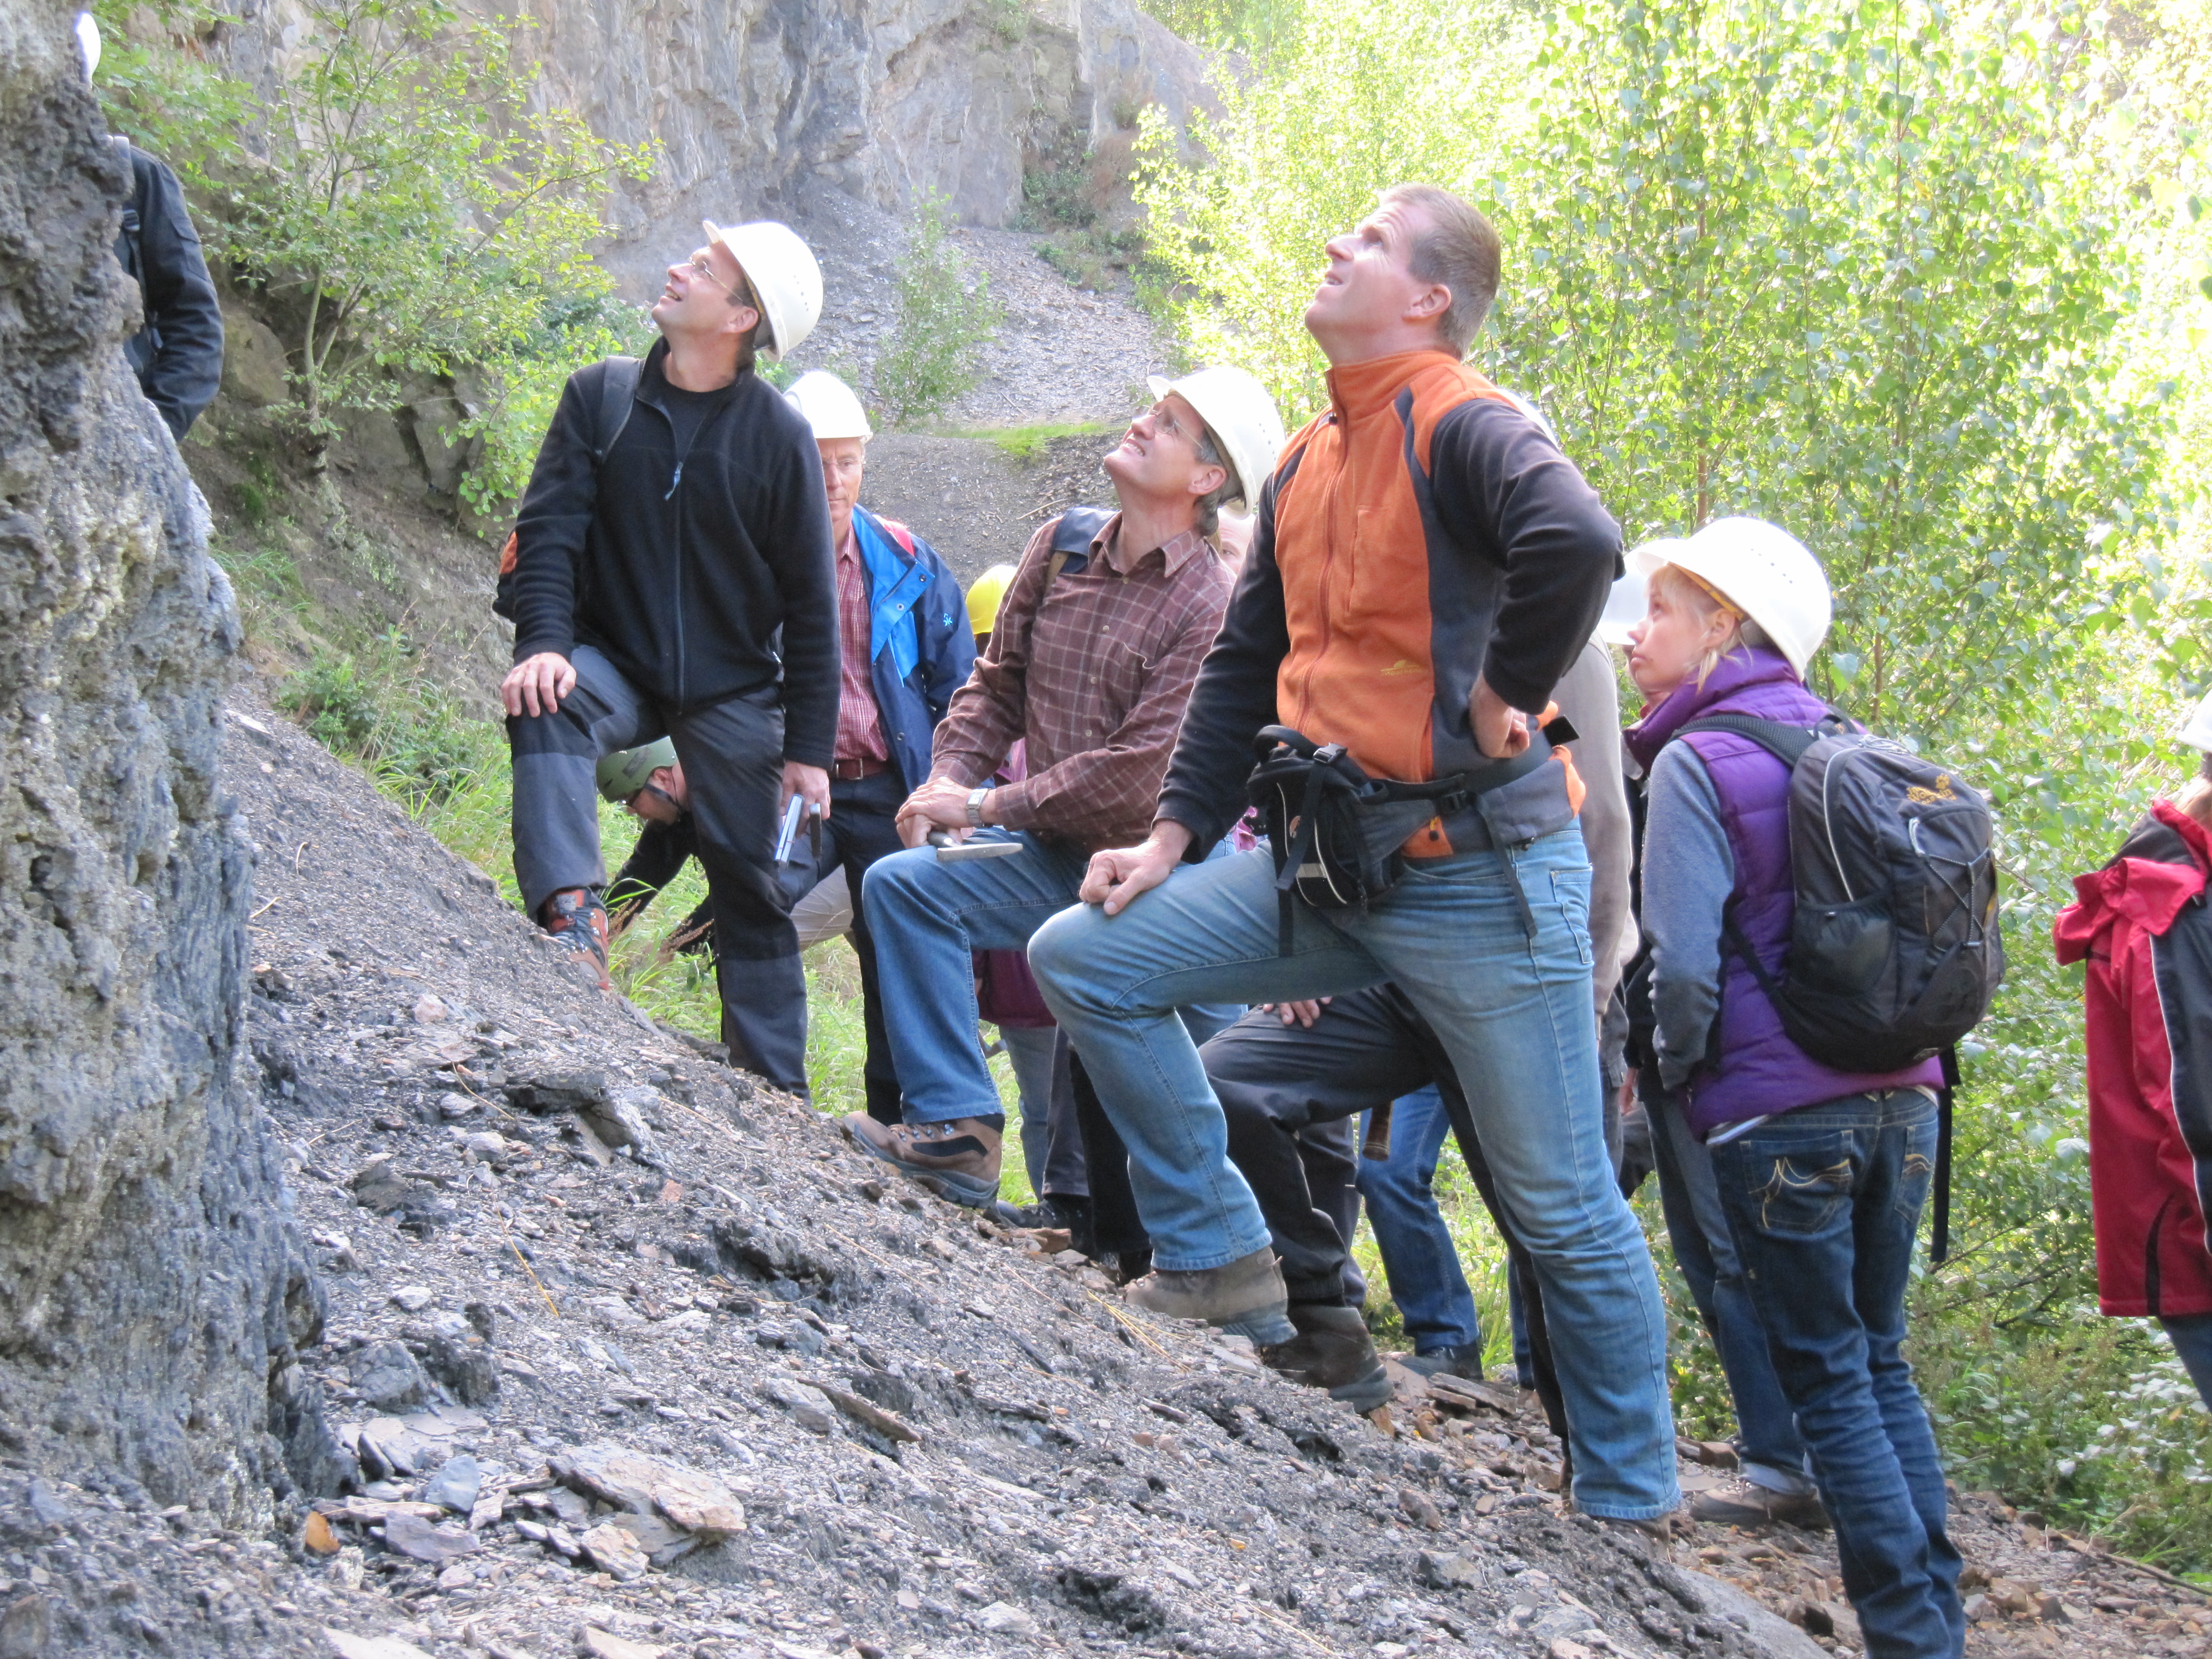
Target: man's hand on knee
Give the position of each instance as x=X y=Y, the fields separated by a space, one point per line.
x=939 y=804
x=1117 y=876
x=535 y=684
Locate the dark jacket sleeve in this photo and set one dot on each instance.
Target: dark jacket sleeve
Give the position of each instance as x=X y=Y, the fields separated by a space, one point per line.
x=1515 y=497
x=555 y=519
x=805 y=565
x=657 y=860
x=1235 y=695
x=185 y=370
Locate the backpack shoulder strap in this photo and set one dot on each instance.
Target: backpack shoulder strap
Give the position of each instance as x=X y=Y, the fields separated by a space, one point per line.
x=1787 y=743
x=1078 y=528
x=618 y=395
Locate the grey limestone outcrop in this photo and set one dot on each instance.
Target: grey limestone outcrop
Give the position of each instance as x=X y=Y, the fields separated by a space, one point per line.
x=154 y=1290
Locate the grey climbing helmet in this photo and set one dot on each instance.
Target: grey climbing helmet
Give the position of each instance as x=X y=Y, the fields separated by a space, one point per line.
x=626 y=771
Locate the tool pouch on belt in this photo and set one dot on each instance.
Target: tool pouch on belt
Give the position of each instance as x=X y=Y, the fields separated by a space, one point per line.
x=1336 y=832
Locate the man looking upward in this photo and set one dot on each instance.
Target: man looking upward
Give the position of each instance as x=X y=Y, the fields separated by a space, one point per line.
x=1425 y=566
x=672 y=577
x=1090 y=663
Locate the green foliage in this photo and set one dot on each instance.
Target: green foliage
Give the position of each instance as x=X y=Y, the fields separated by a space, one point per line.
x=935 y=353
x=398 y=195
x=511 y=421
x=1255 y=27
x=374 y=706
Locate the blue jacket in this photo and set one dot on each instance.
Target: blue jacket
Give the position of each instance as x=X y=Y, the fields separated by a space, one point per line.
x=919 y=649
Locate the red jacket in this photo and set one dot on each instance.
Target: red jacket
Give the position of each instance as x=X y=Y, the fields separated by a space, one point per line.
x=2143 y=924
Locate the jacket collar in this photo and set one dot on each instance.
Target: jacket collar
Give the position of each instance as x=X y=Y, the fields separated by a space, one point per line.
x=653 y=378
x=1741 y=669
x=1359 y=392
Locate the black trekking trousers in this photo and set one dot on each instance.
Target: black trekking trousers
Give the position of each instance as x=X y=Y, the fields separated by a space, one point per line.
x=732 y=758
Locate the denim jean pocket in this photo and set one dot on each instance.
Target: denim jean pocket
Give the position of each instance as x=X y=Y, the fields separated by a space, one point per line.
x=1570 y=897
x=1803 y=1190
x=1916 y=1172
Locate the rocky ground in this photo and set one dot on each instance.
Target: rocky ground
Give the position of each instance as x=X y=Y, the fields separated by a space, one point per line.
x=636 y=1359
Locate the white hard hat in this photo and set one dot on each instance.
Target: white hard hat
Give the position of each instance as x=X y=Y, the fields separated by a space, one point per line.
x=786 y=278
x=88 y=39
x=1243 y=416
x=829 y=406
x=1765 y=572
x=2197 y=731
x=1625 y=605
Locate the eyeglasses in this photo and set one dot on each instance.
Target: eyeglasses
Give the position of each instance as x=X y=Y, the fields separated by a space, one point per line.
x=699 y=267
x=652 y=789
x=1163 y=416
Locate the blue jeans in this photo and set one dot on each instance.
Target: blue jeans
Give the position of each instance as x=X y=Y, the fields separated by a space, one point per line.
x=1824 y=1203
x=1767 y=1442
x=1028 y=1052
x=2192 y=1343
x=928 y=919
x=1418 y=1252
x=1513 y=1011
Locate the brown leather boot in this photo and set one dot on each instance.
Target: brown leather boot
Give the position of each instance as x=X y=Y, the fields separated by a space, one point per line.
x=1245 y=1295
x=1332 y=1351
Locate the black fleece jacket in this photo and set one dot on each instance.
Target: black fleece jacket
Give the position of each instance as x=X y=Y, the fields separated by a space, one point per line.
x=176 y=353
x=702 y=577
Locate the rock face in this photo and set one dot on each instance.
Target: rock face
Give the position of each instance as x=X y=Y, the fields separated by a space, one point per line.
x=153 y=1288
x=760 y=104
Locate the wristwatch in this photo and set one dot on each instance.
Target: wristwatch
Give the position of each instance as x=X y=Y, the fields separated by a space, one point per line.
x=975 y=804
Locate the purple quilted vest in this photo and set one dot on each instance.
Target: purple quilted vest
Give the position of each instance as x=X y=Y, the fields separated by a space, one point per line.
x=1760 y=1072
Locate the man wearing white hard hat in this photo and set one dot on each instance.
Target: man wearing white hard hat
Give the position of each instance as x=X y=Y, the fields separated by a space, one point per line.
x=904 y=647
x=671 y=574
x=1426 y=567
x=2142 y=926
x=1097 y=643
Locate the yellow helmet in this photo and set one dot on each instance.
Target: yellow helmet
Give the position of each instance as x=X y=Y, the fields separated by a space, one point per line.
x=986 y=595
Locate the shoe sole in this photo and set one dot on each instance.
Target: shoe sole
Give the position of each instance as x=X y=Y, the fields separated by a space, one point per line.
x=968 y=1191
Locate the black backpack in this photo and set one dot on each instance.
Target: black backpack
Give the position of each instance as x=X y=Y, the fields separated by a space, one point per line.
x=618 y=395
x=1894 y=952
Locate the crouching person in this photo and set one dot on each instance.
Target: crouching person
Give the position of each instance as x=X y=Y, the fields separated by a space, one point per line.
x=1822 y=1173
x=672 y=577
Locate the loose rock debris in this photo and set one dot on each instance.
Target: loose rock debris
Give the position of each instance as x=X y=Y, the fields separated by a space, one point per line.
x=634 y=1357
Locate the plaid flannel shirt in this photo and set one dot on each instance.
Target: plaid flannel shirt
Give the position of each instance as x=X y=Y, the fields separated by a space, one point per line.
x=1094 y=674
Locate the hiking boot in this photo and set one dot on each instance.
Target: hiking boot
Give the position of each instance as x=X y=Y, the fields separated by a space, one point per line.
x=1333 y=1350
x=1746 y=1503
x=1246 y=1297
x=957 y=1160
x=1464 y=1362
x=577 y=921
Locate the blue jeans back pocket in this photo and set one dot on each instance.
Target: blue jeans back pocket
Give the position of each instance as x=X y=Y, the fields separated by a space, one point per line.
x=1804 y=1190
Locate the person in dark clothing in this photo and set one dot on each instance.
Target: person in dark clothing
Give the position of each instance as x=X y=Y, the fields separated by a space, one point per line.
x=683 y=586
x=177 y=351
x=649 y=781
